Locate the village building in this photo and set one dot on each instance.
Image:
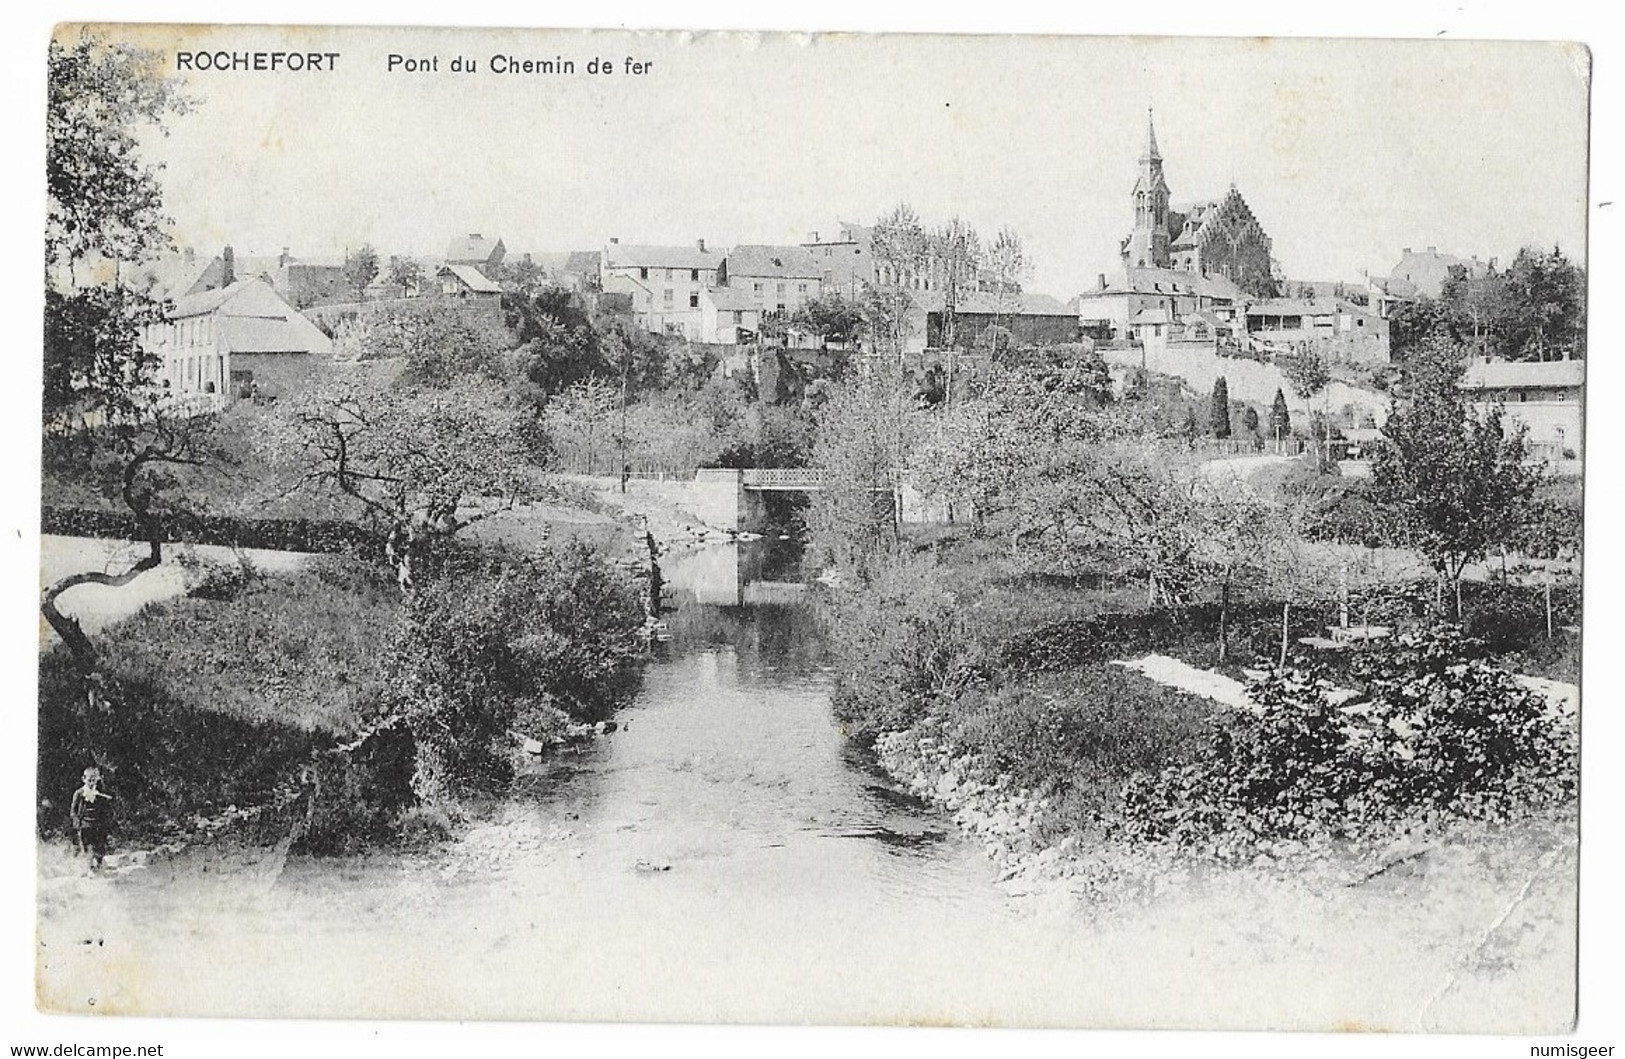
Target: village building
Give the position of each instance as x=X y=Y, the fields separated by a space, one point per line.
x=238 y=341
x=1159 y=303
x=1020 y=319
x=777 y=278
x=729 y=316
x=468 y=283
x=1336 y=329
x=476 y=250
x=662 y=284
x=1547 y=398
x=1423 y=275
x=1220 y=237
x=846 y=261
x=168 y=277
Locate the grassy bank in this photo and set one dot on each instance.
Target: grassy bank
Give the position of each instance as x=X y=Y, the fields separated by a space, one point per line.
x=983 y=680
x=328 y=704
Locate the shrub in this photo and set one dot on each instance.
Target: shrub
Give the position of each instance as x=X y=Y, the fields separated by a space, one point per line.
x=1433 y=729
x=497 y=639
x=899 y=644
x=1079 y=738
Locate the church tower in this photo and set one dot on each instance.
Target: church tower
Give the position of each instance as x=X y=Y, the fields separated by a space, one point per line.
x=1147 y=245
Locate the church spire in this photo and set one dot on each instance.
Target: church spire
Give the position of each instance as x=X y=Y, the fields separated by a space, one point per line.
x=1151 y=152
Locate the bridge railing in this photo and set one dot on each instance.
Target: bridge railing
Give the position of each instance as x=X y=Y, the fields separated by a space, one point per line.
x=785 y=477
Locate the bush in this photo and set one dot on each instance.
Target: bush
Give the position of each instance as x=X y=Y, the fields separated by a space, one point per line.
x=899 y=644
x=500 y=638
x=1433 y=730
x=1079 y=738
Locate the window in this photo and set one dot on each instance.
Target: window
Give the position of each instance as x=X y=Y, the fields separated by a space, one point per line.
x=669 y=296
x=694 y=274
x=693 y=301
x=757 y=287
x=801 y=288
x=781 y=290
x=643 y=273
x=671 y=273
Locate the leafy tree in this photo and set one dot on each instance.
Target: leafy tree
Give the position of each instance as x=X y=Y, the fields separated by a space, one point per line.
x=1249 y=420
x=1218 y=417
x=406 y=274
x=956 y=257
x=104 y=420
x=1008 y=261
x=866 y=431
x=1544 y=311
x=1411 y=322
x=437 y=342
x=421 y=463
x=1462 y=481
x=902 y=252
x=360 y=269
x=833 y=317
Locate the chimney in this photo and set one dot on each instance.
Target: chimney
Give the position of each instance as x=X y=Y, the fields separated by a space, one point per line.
x=228 y=276
x=1102 y=278
x=1406 y=250
x=1433 y=250
x=615 y=239
x=473 y=235
x=701 y=244
x=282 y=258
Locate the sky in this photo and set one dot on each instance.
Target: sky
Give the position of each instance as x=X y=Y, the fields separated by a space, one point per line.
x=1347 y=151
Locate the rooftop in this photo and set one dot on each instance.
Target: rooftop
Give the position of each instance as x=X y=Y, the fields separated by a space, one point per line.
x=622 y=255
x=1512 y=374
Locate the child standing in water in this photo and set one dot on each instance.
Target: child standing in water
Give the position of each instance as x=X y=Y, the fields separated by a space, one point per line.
x=91 y=816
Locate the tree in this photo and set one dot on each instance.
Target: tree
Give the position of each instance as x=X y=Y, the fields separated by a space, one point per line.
x=865 y=432
x=360 y=269
x=902 y=255
x=833 y=317
x=1007 y=260
x=421 y=463
x=1218 y=416
x=1543 y=316
x=1249 y=420
x=405 y=274
x=956 y=254
x=438 y=342
x=1461 y=480
x=1280 y=418
x=104 y=419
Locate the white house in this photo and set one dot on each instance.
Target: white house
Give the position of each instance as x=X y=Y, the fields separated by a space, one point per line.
x=1546 y=397
x=663 y=282
x=238 y=341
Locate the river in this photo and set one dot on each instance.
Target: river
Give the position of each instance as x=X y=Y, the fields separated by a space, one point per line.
x=726 y=855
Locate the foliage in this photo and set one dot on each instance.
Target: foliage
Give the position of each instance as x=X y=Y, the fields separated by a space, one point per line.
x=104 y=201
x=439 y=342
x=415 y=461
x=406 y=274
x=1308 y=374
x=1432 y=730
x=1462 y=482
x=1078 y=737
x=900 y=645
x=832 y=316
x=864 y=433
x=360 y=269
x=497 y=642
x=1218 y=419
x=1280 y=417
x=1535 y=310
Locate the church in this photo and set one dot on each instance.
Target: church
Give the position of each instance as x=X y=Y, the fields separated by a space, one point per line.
x=1220 y=237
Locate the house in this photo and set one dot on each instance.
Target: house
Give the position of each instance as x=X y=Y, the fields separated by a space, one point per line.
x=778 y=278
x=467 y=282
x=172 y=276
x=1547 y=397
x=476 y=250
x=1422 y=275
x=1109 y=311
x=846 y=261
x=302 y=282
x=729 y=315
x=238 y=341
x=662 y=283
x=1027 y=319
x=1336 y=328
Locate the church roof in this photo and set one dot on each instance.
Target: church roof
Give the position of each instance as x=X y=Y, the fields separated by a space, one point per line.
x=1151 y=152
